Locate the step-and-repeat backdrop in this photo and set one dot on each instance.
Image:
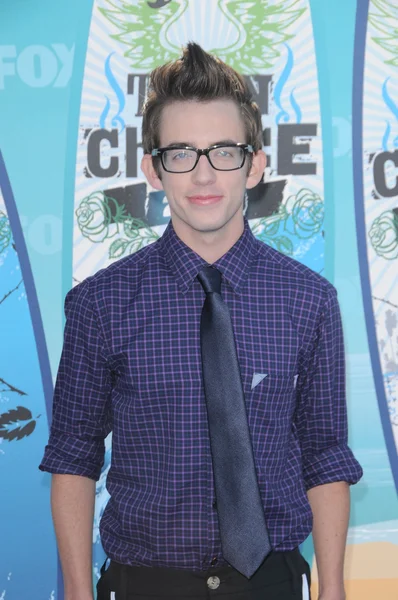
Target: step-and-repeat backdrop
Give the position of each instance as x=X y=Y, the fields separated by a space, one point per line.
x=73 y=200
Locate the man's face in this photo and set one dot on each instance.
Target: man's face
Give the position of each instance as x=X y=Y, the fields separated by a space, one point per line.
x=204 y=200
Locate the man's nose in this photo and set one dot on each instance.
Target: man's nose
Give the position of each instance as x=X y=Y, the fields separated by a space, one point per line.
x=203 y=172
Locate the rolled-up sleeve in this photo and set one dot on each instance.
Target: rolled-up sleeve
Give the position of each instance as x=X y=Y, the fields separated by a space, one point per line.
x=81 y=407
x=321 y=415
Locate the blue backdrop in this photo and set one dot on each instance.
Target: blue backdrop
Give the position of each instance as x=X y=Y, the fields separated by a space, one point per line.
x=47 y=64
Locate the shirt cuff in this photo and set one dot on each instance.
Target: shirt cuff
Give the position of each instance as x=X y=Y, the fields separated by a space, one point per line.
x=68 y=455
x=336 y=463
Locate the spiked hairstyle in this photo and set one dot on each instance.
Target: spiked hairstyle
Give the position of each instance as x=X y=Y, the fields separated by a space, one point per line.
x=201 y=77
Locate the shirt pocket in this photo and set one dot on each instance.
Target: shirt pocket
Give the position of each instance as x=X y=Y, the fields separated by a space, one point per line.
x=271 y=404
x=271 y=384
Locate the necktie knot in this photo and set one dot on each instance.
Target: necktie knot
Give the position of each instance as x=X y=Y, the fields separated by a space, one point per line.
x=210 y=280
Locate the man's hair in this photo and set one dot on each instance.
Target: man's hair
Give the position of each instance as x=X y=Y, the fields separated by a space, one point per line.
x=202 y=77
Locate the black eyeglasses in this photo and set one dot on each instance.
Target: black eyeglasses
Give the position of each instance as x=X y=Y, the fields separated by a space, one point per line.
x=222 y=157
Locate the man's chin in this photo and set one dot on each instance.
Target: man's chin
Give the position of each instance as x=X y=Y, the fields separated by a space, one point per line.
x=209 y=225
x=214 y=225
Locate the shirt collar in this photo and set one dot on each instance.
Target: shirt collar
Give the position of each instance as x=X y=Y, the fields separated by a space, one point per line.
x=185 y=264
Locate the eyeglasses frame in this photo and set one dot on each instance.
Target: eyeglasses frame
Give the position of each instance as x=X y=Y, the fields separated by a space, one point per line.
x=247 y=148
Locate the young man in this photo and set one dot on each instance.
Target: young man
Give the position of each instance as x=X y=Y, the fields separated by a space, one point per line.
x=218 y=365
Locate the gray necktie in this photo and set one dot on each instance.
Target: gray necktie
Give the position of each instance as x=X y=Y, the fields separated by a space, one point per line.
x=244 y=536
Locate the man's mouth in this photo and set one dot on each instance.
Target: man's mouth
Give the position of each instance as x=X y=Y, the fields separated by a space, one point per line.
x=204 y=199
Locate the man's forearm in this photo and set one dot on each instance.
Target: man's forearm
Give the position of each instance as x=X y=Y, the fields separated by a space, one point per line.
x=330 y=504
x=72 y=501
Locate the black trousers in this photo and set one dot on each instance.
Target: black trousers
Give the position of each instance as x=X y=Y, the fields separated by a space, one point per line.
x=282 y=576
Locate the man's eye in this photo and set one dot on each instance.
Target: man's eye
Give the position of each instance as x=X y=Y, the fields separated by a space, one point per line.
x=224 y=153
x=180 y=155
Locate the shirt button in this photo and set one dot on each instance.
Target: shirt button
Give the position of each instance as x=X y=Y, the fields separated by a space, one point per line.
x=213 y=582
x=214 y=505
x=214 y=561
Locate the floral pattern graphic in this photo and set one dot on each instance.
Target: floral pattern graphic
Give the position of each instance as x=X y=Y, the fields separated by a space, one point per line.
x=100 y=217
x=301 y=216
x=94 y=216
x=383 y=235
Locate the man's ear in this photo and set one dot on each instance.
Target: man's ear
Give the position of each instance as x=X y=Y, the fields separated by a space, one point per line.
x=259 y=162
x=150 y=172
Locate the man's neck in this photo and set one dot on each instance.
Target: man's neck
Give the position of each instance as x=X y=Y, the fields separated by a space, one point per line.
x=210 y=245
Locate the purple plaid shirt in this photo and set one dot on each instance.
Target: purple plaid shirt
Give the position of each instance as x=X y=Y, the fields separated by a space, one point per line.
x=131 y=365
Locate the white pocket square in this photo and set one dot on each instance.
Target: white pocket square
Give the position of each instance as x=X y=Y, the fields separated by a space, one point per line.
x=257 y=378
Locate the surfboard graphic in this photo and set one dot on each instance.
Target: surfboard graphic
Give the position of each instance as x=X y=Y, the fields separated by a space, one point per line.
x=25 y=409
x=115 y=212
x=375 y=143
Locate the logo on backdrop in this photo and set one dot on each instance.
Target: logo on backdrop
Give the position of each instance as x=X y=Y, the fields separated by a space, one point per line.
x=37 y=65
x=114 y=205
